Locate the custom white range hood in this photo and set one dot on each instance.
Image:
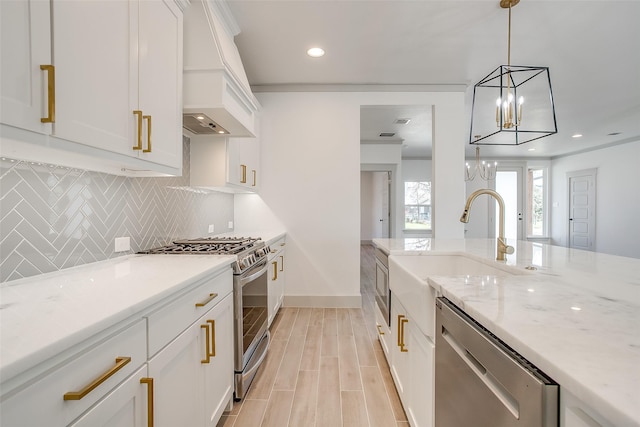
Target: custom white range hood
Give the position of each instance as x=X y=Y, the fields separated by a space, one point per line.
x=217 y=96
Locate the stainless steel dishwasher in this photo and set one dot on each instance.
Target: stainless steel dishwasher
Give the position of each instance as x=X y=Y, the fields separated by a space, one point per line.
x=481 y=382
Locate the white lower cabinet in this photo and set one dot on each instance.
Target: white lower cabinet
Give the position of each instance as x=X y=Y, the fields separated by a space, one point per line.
x=126 y=406
x=384 y=332
x=193 y=375
x=67 y=391
x=276 y=279
x=575 y=413
x=412 y=358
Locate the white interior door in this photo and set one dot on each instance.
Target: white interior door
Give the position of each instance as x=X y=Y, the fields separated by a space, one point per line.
x=385 y=184
x=509 y=184
x=582 y=213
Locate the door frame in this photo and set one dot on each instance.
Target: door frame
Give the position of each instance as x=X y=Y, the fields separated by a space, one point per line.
x=393 y=177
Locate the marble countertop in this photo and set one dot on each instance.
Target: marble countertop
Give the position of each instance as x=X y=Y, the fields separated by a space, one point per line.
x=43 y=315
x=576 y=317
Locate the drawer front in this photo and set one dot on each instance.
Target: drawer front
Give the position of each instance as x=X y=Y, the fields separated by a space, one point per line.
x=168 y=322
x=43 y=402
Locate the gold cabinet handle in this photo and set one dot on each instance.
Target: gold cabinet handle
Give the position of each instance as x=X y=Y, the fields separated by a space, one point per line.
x=77 y=395
x=379 y=330
x=149 y=383
x=213 y=337
x=275 y=270
x=254 y=177
x=207 y=301
x=402 y=347
x=243 y=180
x=207 y=344
x=281 y=263
x=148 y=119
x=138 y=114
x=51 y=93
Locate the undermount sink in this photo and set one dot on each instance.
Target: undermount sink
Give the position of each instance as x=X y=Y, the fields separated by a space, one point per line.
x=408 y=276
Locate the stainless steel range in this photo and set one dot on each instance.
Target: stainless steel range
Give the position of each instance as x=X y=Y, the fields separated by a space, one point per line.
x=249 y=297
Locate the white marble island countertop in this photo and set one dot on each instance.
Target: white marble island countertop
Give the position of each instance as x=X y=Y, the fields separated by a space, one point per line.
x=577 y=317
x=42 y=315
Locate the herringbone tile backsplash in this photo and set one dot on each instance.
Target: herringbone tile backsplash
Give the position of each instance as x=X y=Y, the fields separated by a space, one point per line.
x=53 y=217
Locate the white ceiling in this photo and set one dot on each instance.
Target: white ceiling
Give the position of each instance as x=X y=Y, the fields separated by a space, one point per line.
x=591 y=47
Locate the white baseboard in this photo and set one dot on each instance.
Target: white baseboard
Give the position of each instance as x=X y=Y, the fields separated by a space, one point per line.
x=323 y=301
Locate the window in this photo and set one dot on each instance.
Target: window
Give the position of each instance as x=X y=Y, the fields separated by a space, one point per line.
x=417 y=206
x=536 y=202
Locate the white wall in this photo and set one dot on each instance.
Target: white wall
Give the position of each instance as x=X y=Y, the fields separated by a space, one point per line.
x=617 y=197
x=310 y=149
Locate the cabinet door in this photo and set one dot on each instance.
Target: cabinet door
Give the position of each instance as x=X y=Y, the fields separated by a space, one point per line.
x=399 y=364
x=95 y=55
x=237 y=173
x=250 y=157
x=25 y=34
x=218 y=373
x=421 y=353
x=126 y=406
x=177 y=375
x=160 y=80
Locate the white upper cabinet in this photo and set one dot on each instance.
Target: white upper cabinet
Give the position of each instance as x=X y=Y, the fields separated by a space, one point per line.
x=94 y=44
x=117 y=86
x=25 y=33
x=160 y=78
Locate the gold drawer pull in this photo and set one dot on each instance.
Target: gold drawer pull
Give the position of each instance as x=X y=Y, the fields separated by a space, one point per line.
x=213 y=337
x=281 y=263
x=207 y=344
x=149 y=383
x=254 y=177
x=379 y=330
x=243 y=180
x=138 y=114
x=275 y=270
x=207 y=301
x=400 y=317
x=77 y=395
x=51 y=94
x=148 y=119
x=402 y=347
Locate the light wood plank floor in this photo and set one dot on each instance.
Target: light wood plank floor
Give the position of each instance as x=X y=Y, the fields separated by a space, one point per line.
x=325 y=368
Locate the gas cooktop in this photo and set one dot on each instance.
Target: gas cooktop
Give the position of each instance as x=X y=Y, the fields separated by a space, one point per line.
x=248 y=250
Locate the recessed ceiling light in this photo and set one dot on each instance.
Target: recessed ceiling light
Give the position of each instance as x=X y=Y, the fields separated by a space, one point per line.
x=315 y=52
x=531 y=149
x=577 y=135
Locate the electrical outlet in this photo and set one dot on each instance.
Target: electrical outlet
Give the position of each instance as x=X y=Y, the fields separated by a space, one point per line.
x=212 y=228
x=230 y=224
x=122 y=244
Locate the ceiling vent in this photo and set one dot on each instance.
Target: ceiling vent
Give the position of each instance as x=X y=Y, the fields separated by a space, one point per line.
x=402 y=121
x=387 y=134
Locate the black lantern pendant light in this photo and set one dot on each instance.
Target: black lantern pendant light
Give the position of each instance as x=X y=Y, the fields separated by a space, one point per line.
x=514 y=103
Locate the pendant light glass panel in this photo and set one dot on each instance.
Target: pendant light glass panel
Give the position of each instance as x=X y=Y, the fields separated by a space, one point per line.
x=513 y=105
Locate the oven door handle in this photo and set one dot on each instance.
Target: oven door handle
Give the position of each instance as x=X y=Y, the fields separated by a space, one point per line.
x=243 y=280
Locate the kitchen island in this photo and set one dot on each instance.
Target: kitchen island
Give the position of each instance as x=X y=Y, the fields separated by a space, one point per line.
x=574 y=314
